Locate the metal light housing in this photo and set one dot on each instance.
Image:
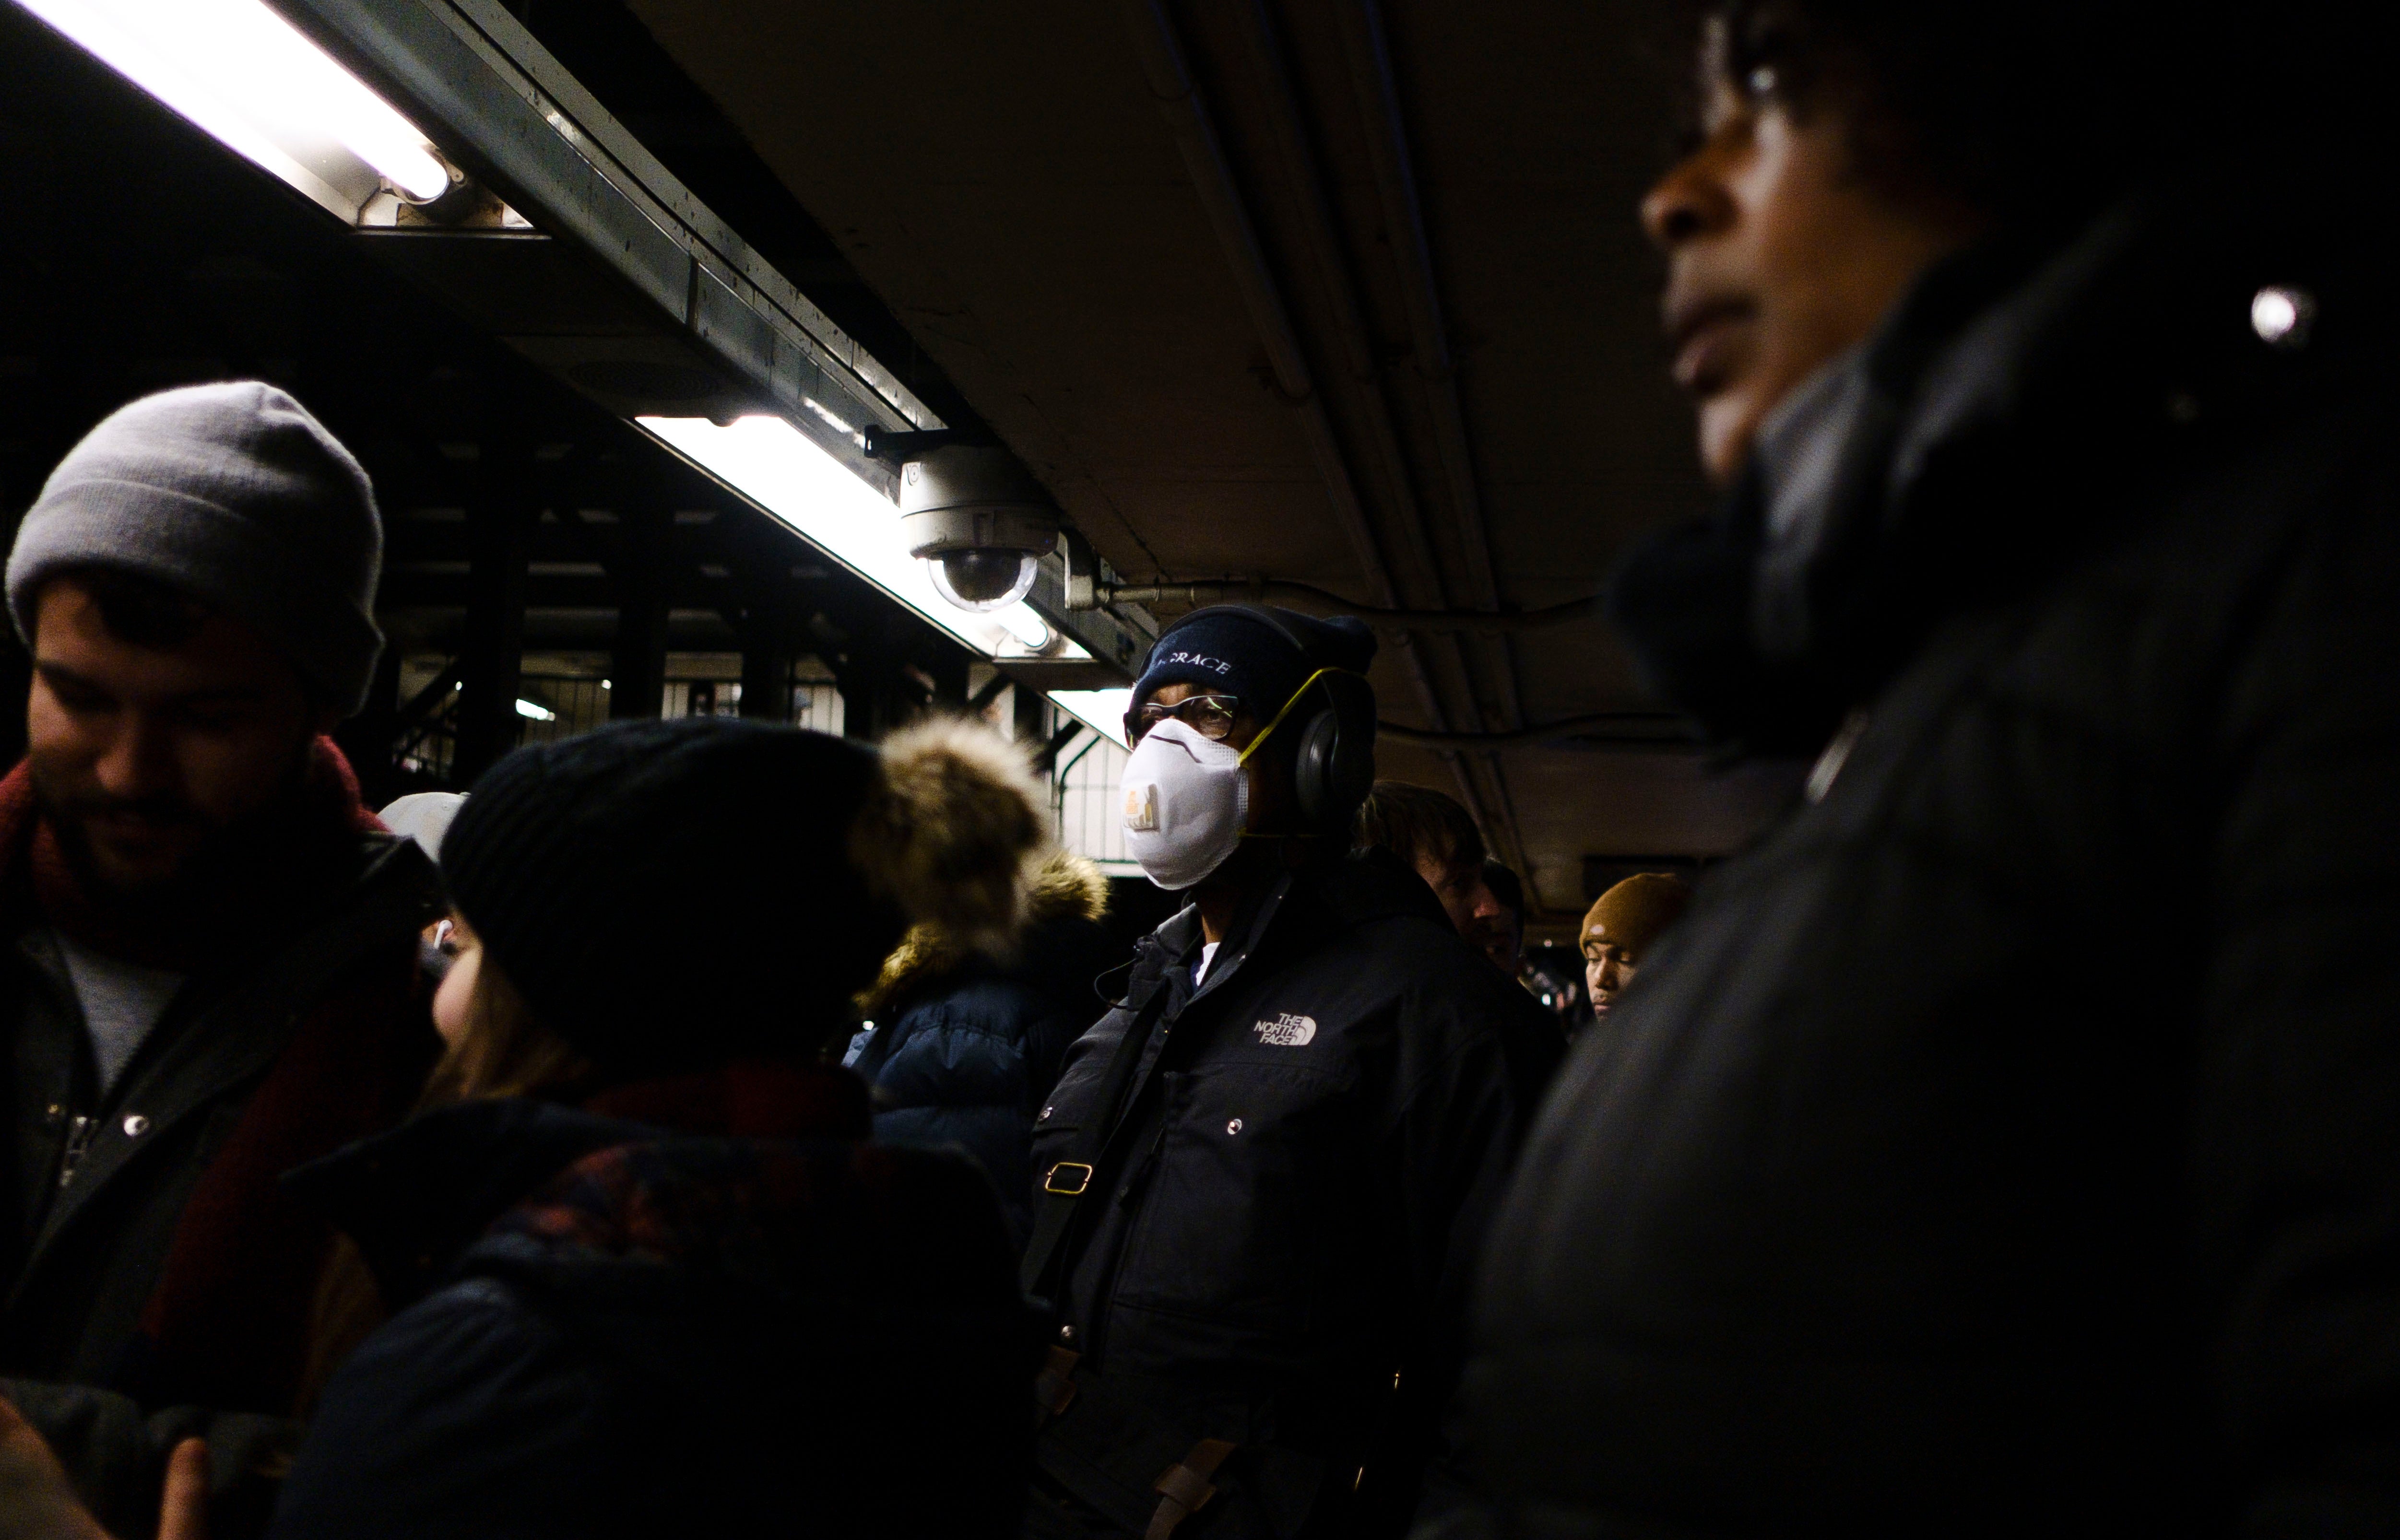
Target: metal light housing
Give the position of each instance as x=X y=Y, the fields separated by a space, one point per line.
x=980 y=521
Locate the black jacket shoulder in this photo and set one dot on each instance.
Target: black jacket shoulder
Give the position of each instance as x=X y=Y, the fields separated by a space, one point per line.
x=634 y=1333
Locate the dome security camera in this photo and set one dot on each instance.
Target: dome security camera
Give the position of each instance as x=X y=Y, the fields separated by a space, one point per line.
x=979 y=520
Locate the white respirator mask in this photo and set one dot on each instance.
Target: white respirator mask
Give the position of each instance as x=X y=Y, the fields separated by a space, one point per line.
x=1186 y=803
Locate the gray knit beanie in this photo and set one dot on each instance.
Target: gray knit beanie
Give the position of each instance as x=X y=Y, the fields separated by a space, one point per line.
x=234 y=494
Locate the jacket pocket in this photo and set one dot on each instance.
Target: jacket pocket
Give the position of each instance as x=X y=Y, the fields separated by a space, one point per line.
x=1243 y=1202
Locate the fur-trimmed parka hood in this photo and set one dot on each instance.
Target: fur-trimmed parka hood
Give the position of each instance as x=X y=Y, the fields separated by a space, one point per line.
x=1063 y=887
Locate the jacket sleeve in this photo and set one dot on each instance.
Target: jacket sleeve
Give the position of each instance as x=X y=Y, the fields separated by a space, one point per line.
x=464 y=1417
x=2297 y=1109
x=1459 y=1129
x=1054 y=1028
x=115 y=1451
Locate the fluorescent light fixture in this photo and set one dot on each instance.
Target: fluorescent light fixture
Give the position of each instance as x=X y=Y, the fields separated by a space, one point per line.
x=1103 y=711
x=533 y=710
x=1031 y=632
x=785 y=472
x=247 y=76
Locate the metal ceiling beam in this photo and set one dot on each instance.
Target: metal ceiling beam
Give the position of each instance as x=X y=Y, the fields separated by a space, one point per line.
x=474 y=77
x=1231 y=591
x=1396 y=185
x=499 y=103
x=1368 y=48
x=1320 y=235
x=1188 y=119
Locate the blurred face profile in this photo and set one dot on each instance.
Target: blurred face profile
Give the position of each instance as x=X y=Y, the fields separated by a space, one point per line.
x=1780 y=253
x=1460 y=887
x=140 y=753
x=1475 y=911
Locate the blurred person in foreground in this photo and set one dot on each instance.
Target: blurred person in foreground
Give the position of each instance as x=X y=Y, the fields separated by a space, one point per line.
x=212 y=972
x=1622 y=926
x=965 y=1047
x=647 y=1274
x=2008 y=1142
x=1263 y=1175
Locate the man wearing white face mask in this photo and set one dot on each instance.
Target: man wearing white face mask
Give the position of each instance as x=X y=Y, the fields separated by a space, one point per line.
x=1262 y=1177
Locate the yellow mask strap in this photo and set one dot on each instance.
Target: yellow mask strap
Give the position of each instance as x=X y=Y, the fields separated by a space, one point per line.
x=1295 y=700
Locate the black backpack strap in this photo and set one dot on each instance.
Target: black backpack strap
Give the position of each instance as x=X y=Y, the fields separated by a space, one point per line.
x=1068 y=1180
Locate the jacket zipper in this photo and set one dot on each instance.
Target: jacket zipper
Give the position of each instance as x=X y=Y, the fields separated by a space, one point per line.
x=79 y=1137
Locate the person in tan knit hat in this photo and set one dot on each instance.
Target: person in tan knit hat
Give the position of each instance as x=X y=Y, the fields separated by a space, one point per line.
x=1620 y=930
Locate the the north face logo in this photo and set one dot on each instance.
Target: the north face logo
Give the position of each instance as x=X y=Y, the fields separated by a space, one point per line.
x=1286 y=1030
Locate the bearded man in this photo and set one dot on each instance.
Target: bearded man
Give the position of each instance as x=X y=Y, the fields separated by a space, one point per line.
x=210 y=974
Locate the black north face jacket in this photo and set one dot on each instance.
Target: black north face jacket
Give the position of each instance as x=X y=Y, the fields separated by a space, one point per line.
x=1314 y=1139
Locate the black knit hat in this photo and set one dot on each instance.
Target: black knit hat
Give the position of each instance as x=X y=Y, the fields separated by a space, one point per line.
x=1259 y=652
x=670 y=895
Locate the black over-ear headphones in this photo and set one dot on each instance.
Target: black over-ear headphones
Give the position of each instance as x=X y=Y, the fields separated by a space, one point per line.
x=1334 y=765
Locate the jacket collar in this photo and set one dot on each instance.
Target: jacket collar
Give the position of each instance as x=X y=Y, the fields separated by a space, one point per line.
x=1064 y=888
x=415 y=1199
x=2023 y=399
x=1302 y=907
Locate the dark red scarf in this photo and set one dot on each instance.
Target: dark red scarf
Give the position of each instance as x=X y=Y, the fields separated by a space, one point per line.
x=228 y=1323
x=287 y=852
x=759 y=1098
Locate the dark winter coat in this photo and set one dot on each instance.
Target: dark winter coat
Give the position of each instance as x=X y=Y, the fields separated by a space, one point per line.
x=608 y=1327
x=2010 y=1141
x=965 y=1049
x=1318 y=1134
x=159 y=1281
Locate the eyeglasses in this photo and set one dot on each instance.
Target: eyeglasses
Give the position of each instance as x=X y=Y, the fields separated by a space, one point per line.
x=1209 y=716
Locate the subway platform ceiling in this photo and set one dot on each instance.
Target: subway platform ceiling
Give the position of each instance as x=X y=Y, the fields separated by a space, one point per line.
x=1340 y=293
x=1345 y=293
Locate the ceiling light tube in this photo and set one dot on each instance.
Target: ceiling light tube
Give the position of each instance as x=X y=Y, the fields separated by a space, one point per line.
x=784 y=472
x=239 y=70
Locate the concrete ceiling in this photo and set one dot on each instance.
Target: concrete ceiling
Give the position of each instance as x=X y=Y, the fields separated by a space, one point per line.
x=1011 y=182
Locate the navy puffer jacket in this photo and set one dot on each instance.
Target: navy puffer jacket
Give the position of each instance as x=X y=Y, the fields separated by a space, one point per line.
x=963 y=1050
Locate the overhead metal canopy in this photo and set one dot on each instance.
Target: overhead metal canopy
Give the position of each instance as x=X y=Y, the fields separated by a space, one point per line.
x=536 y=548
x=1346 y=296
x=742 y=337
x=1348 y=292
